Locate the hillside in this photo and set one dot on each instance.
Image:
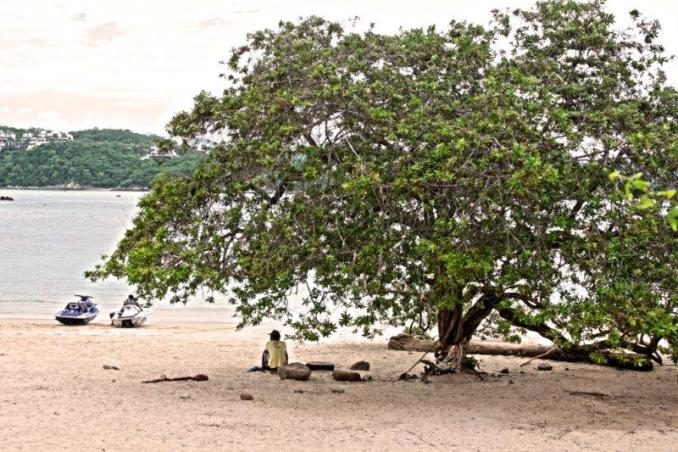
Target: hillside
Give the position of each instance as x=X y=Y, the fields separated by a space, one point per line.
x=102 y=158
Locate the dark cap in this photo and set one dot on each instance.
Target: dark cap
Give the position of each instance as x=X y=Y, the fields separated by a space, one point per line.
x=275 y=335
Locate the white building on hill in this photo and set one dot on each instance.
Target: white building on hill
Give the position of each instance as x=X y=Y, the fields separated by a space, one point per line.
x=155 y=152
x=7 y=139
x=30 y=140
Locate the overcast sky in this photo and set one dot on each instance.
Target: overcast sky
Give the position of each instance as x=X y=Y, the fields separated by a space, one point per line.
x=74 y=64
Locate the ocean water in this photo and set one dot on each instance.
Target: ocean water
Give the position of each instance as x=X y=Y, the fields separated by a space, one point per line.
x=48 y=238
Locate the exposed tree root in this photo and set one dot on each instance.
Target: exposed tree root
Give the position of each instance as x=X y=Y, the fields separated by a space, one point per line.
x=620 y=360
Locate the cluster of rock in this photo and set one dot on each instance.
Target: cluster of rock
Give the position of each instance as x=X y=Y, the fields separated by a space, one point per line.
x=302 y=372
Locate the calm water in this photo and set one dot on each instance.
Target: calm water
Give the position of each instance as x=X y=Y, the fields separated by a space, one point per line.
x=49 y=238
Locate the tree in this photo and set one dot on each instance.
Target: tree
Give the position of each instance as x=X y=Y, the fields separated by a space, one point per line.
x=429 y=178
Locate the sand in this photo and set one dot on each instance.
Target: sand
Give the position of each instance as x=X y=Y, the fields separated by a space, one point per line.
x=56 y=395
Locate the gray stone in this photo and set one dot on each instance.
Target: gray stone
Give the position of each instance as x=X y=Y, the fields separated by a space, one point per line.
x=361 y=365
x=544 y=366
x=504 y=371
x=346 y=375
x=294 y=371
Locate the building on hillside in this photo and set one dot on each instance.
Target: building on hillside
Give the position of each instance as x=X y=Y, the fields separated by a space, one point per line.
x=31 y=140
x=203 y=144
x=7 y=140
x=60 y=136
x=155 y=152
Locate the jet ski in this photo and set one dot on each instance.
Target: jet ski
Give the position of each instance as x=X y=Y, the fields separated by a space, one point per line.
x=78 y=312
x=129 y=316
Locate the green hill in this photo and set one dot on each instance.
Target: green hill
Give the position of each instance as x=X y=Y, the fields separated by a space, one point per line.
x=104 y=158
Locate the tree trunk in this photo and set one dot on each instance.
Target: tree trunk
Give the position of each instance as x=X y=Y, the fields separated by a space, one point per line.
x=450 y=327
x=456 y=328
x=620 y=360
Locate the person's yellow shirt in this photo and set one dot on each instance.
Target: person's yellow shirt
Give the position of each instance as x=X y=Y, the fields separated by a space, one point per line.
x=277 y=354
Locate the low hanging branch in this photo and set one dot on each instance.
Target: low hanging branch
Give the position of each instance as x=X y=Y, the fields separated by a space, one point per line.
x=621 y=360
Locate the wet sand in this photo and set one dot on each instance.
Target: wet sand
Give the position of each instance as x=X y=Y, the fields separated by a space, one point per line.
x=56 y=395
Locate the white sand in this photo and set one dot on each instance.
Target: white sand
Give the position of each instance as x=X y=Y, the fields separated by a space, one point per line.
x=55 y=395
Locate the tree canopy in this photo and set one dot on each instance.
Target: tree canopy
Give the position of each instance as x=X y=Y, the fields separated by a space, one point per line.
x=429 y=178
x=108 y=158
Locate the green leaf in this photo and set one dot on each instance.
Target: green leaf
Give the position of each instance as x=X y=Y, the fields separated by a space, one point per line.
x=668 y=194
x=646 y=202
x=640 y=184
x=673 y=218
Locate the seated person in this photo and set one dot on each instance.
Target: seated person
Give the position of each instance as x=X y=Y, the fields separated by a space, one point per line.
x=131 y=300
x=275 y=353
x=84 y=304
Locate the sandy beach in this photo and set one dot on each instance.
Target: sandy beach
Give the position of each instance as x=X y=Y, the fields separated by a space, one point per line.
x=57 y=396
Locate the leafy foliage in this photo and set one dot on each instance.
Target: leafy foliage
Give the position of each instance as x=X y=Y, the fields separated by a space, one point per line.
x=429 y=178
x=94 y=158
x=648 y=196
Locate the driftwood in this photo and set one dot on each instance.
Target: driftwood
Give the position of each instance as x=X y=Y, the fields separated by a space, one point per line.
x=198 y=377
x=622 y=360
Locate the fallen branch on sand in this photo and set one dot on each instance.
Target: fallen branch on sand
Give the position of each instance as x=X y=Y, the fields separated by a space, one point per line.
x=621 y=360
x=198 y=377
x=599 y=395
x=542 y=356
x=405 y=375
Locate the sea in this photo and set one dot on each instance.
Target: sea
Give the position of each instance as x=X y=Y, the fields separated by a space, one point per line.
x=49 y=238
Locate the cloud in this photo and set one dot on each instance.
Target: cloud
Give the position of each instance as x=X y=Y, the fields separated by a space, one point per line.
x=215 y=22
x=103 y=34
x=247 y=11
x=12 y=41
x=80 y=17
x=48 y=115
x=60 y=109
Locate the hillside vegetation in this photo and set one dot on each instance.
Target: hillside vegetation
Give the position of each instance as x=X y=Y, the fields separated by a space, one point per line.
x=101 y=158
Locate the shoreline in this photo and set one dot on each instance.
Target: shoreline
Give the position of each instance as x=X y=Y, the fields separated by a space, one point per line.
x=62 y=188
x=54 y=376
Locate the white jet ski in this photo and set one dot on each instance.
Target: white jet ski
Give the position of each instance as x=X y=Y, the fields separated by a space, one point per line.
x=129 y=316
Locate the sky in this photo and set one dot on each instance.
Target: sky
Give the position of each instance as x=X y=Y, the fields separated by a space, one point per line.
x=75 y=64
